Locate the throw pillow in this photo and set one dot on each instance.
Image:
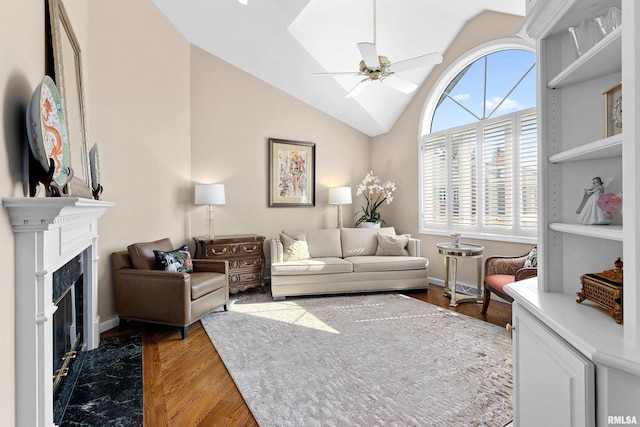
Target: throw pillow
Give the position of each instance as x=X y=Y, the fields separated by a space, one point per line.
x=389 y=245
x=532 y=258
x=177 y=260
x=295 y=248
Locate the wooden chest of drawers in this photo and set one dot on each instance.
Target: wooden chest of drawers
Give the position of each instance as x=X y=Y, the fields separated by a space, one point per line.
x=245 y=255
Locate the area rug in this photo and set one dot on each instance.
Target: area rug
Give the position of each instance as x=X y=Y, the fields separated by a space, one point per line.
x=108 y=391
x=364 y=360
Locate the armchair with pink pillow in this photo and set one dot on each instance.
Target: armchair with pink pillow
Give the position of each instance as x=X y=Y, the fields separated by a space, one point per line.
x=501 y=270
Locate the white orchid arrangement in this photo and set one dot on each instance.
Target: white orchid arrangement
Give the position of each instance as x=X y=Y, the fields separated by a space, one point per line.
x=375 y=194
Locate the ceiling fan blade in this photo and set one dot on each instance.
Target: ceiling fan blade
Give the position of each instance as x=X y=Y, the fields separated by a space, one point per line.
x=358 y=88
x=369 y=54
x=400 y=84
x=417 y=62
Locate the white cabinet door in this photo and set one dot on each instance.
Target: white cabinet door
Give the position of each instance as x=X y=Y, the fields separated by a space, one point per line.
x=553 y=383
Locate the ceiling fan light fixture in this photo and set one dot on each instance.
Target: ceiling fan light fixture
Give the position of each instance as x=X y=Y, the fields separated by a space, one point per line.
x=379 y=72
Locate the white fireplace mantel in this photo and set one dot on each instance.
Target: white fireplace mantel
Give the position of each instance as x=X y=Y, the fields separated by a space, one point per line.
x=49 y=232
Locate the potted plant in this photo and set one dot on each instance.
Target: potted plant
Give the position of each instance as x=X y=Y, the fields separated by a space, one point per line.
x=375 y=194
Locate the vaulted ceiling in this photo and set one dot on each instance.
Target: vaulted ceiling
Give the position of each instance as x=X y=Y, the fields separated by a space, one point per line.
x=284 y=42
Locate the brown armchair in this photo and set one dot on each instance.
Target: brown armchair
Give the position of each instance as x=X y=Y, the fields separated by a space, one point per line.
x=501 y=270
x=169 y=298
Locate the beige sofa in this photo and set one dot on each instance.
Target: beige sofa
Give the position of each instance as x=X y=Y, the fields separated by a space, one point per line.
x=346 y=260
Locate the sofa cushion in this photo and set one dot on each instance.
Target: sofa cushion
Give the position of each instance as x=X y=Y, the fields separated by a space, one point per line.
x=178 y=260
x=330 y=265
x=142 y=255
x=387 y=263
x=392 y=245
x=362 y=241
x=205 y=283
x=294 y=248
x=322 y=243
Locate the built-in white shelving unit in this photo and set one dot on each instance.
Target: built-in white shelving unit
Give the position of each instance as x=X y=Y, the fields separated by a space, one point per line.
x=602 y=59
x=600 y=149
x=609 y=232
x=579 y=354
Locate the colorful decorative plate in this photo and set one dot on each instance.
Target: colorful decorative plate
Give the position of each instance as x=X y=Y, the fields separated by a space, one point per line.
x=94 y=165
x=47 y=130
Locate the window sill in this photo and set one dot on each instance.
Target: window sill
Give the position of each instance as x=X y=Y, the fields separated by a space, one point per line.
x=482 y=236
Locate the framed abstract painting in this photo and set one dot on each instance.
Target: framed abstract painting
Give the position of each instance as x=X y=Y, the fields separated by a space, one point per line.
x=292 y=173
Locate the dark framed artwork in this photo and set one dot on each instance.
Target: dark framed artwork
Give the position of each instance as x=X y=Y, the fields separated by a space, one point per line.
x=292 y=173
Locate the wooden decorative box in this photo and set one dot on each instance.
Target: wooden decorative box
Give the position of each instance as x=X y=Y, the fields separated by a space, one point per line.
x=605 y=289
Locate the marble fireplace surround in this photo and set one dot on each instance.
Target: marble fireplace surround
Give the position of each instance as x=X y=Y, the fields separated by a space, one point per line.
x=49 y=232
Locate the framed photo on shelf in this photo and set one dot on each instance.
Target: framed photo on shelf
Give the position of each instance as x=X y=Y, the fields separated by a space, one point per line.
x=613 y=110
x=292 y=173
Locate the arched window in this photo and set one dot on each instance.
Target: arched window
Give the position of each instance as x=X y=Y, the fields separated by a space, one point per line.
x=478 y=146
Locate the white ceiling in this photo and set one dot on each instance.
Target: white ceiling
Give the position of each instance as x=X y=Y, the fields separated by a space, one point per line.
x=284 y=42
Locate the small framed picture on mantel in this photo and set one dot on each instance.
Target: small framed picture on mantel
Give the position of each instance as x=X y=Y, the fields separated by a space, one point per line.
x=613 y=110
x=292 y=173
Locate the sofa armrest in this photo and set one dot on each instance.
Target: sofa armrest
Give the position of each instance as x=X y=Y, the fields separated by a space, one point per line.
x=414 y=246
x=153 y=295
x=211 y=265
x=277 y=251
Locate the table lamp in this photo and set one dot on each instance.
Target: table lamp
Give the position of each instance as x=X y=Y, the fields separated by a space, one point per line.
x=210 y=194
x=340 y=196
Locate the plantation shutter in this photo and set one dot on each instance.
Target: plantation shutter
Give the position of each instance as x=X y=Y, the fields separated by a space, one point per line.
x=497 y=173
x=482 y=178
x=528 y=191
x=463 y=177
x=434 y=167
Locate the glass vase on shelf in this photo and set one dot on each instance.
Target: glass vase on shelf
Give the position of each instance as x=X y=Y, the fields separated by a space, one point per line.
x=585 y=35
x=610 y=21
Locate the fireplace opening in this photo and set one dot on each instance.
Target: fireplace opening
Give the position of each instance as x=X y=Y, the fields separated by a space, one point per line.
x=68 y=292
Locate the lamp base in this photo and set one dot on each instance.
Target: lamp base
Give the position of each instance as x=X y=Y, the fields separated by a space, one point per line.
x=210 y=236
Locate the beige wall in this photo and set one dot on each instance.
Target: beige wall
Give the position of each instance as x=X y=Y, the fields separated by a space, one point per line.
x=232 y=116
x=395 y=154
x=138 y=98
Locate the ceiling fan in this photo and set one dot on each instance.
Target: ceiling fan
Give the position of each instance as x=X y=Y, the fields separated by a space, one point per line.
x=378 y=67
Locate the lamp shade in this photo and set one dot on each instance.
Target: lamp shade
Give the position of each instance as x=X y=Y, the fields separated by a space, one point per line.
x=210 y=194
x=340 y=196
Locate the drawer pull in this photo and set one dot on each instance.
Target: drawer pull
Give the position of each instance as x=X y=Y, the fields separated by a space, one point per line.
x=509 y=327
x=223 y=251
x=246 y=249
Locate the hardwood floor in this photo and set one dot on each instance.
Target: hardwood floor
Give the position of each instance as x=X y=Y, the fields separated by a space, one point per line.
x=186 y=383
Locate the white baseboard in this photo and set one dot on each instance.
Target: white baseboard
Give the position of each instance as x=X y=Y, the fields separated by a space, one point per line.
x=461 y=287
x=109 y=324
x=464 y=288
